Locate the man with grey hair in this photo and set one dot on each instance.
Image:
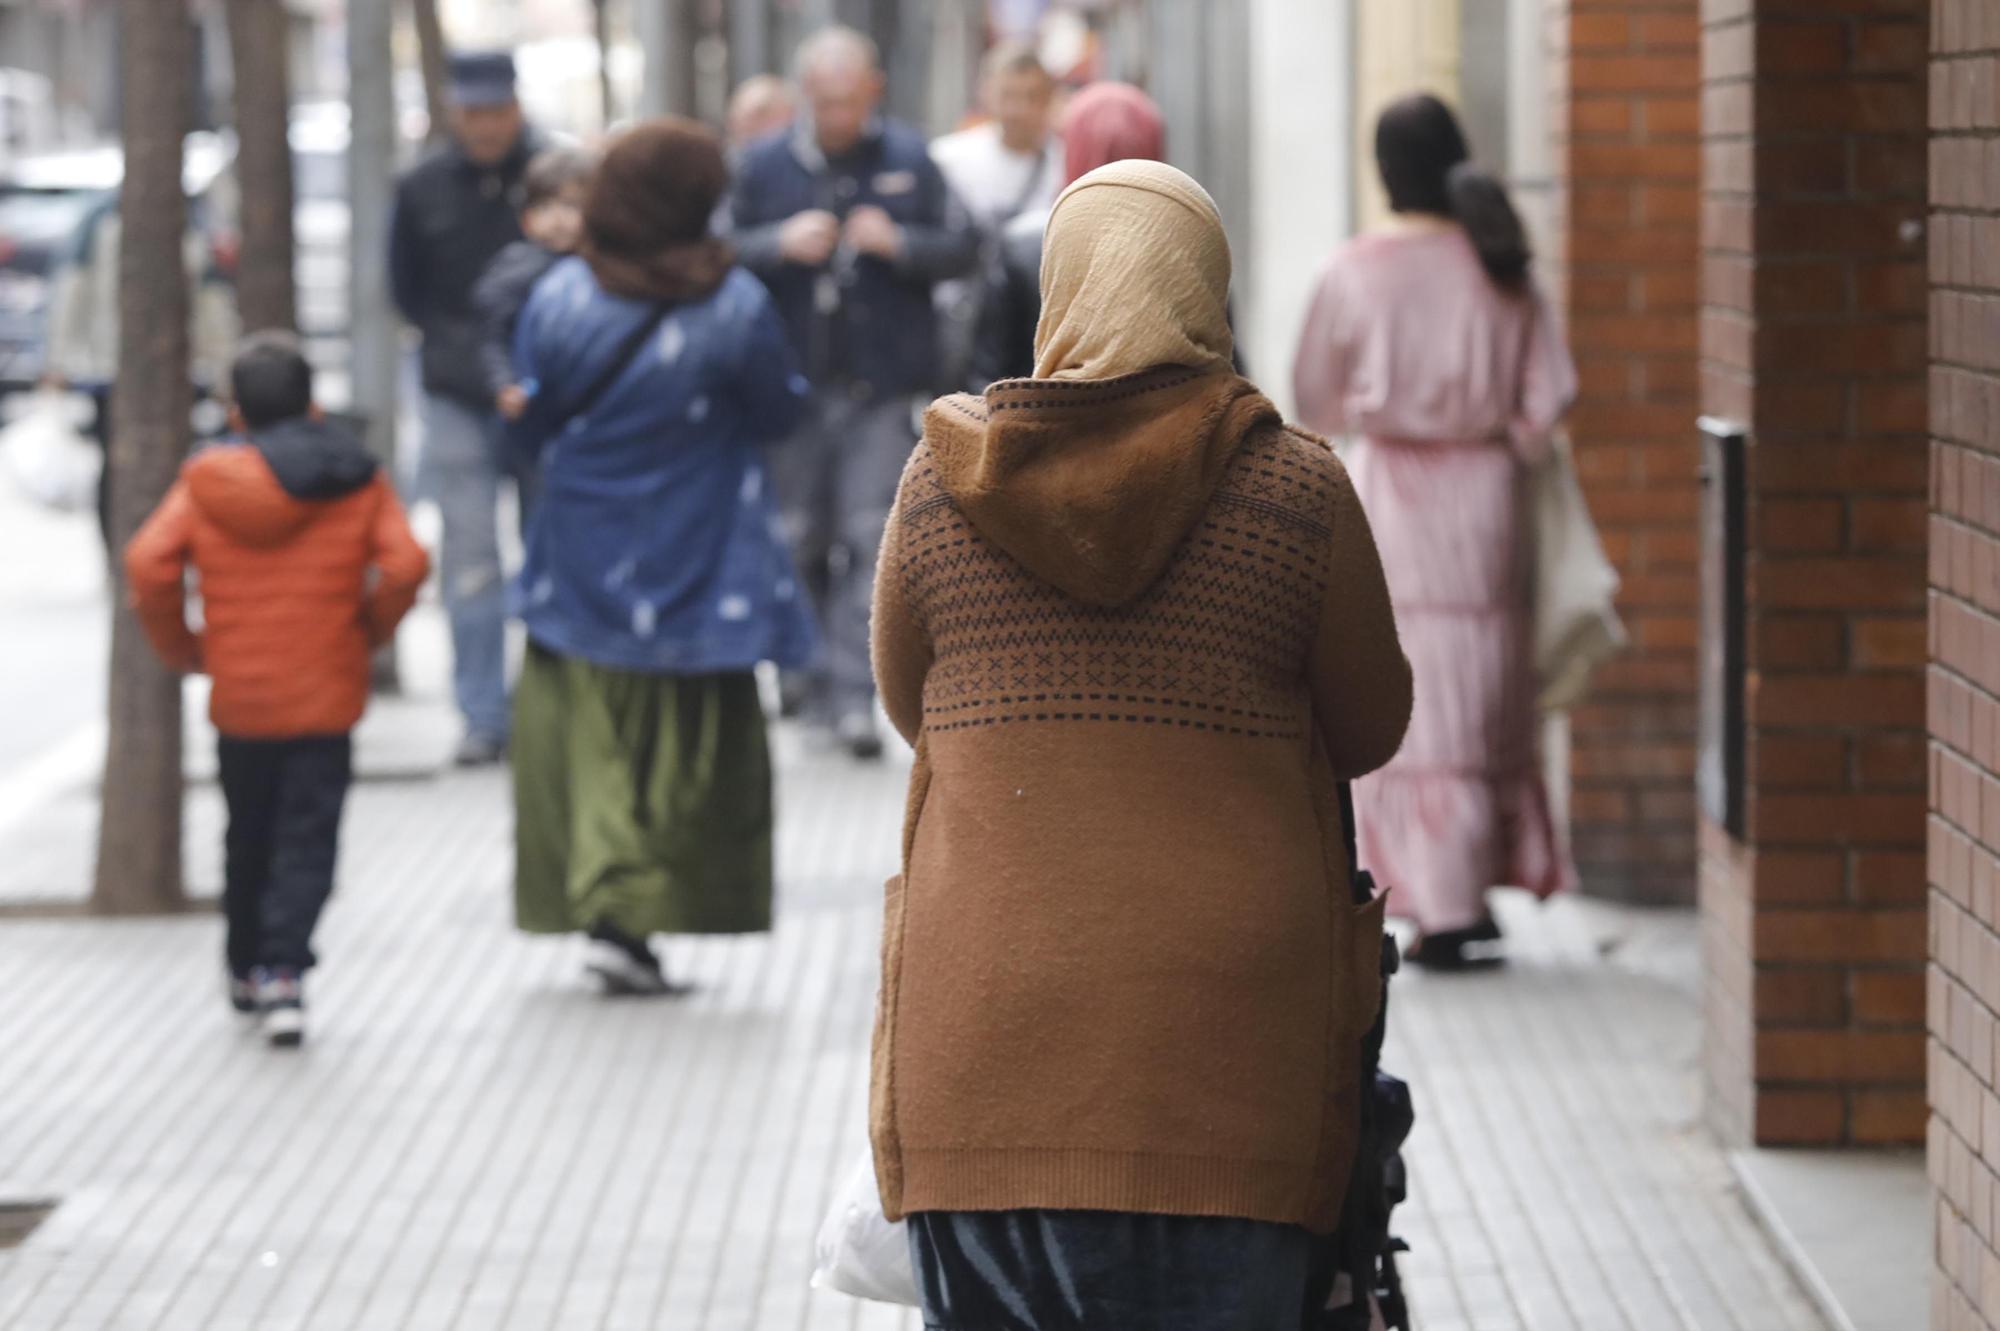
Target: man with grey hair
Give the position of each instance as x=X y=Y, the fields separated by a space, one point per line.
x=851 y=226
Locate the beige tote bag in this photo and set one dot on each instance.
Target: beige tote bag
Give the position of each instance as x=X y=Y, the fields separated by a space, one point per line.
x=1576 y=589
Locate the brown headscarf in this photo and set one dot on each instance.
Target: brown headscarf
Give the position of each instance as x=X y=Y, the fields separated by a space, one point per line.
x=645 y=222
x=1135 y=273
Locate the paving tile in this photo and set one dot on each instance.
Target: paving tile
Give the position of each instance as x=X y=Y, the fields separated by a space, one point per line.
x=472 y=1139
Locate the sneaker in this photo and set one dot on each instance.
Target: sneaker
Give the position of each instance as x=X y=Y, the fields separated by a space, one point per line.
x=243 y=994
x=858 y=735
x=624 y=965
x=479 y=751
x=281 y=998
x=620 y=972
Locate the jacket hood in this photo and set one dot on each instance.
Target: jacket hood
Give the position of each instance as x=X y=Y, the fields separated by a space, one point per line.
x=262 y=491
x=315 y=459
x=1093 y=485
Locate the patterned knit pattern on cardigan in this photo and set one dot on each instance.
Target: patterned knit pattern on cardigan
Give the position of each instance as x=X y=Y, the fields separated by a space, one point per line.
x=1122 y=970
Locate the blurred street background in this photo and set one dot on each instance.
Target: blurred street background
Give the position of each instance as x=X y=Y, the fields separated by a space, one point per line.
x=1744 y=1077
x=476 y=1140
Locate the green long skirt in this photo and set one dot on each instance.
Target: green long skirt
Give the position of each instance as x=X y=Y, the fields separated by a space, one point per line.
x=641 y=800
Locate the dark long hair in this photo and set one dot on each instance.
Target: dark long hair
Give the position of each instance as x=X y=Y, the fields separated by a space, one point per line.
x=1426 y=168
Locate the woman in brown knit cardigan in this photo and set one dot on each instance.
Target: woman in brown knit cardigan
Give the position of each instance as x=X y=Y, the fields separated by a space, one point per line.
x=1137 y=630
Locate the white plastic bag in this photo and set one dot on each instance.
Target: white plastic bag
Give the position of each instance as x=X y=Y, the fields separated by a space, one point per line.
x=1576 y=588
x=51 y=462
x=859 y=1252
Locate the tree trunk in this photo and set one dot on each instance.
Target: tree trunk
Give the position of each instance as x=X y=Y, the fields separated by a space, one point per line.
x=371 y=192
x=260 y=48
x=431 y=53
x=600 y=17
x=682 y=64
x=139 y=832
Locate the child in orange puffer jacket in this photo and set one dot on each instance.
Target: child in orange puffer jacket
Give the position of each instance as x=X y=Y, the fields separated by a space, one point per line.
x=305 y=564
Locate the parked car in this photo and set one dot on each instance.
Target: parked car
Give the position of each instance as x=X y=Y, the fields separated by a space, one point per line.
x=44 y=201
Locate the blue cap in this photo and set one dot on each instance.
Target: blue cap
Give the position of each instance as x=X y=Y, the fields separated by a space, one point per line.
x=482 y=78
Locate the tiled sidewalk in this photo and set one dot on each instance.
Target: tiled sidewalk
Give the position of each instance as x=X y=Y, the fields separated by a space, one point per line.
x=1561 y=1179
x=471 y=1140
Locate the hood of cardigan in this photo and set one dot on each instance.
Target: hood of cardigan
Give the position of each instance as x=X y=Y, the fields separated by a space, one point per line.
x=1093 y=484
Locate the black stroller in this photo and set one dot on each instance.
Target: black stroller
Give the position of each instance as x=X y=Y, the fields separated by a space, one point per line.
x=1355 y=1276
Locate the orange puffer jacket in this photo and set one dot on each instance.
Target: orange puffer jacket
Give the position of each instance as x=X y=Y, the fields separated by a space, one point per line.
x=304 y=562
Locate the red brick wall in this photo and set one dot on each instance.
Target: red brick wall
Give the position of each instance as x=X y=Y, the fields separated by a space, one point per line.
x=1965 y=655
x=1625 y=75
x=1813 y=336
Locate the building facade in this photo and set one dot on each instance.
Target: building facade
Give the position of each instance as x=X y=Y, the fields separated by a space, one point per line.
x=1963 y=846
x=1771 y=226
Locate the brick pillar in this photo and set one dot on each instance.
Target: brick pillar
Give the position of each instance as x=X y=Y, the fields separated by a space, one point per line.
x=1813 y=338
x=1625 y=75
x=1965 y=662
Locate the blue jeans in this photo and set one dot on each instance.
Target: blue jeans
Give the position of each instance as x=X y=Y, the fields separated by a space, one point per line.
x=460 y=468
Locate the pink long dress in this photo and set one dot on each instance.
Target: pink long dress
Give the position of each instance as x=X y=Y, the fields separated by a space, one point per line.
x=1450 y=386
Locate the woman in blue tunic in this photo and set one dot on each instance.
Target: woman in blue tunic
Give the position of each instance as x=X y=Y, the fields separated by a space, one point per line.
x=655 y=579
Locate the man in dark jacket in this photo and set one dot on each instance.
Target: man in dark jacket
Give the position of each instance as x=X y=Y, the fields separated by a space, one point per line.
x=455 y=210
x=850 y=225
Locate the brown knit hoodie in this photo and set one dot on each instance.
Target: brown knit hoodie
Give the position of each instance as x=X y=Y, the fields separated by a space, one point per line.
x=1136 y=628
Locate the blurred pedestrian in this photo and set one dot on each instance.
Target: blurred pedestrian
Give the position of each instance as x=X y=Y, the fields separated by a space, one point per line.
x=1106 y=122
x=1007 y=166
x=1137 y=629
x=81 y=338
x=656 y=578
x=850 y=225
x=1430 y=342
x=1012 y=162
x=304 y=564
x=552 y=197
x=761 y=106
x=455 y=210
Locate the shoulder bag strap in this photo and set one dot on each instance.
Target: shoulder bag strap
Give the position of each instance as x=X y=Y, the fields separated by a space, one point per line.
x=614 y=368
x=1028 y=190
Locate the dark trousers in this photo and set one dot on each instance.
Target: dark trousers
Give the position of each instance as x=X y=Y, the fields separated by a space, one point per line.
x=1085 y=1270
x=836 y=481
x=285 y=797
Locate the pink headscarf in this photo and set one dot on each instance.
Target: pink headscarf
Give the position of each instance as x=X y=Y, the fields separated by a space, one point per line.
x=1109 y=122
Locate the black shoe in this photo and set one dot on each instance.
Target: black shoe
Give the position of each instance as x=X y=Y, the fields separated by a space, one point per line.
x=243 y=994
x=1470 y=948
x=626 y=966
x=479 y=751
x=858 y=735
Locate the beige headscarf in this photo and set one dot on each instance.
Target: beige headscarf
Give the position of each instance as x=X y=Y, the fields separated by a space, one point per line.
x=1135 y=273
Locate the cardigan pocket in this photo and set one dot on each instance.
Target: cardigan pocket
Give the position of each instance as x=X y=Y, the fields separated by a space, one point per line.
x=891 y=960
x=884 y=1138
x=892 y=930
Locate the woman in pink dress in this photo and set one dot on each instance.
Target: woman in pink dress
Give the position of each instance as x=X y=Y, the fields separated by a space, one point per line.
x=1430 y=344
